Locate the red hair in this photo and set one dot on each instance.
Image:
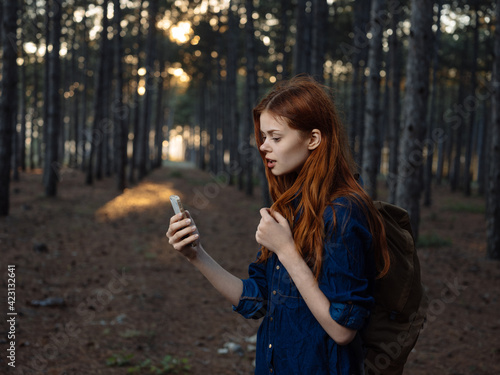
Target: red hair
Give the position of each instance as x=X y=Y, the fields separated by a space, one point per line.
x=328 y=173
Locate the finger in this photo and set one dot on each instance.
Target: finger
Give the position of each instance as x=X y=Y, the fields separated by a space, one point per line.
x=173 y=228
x=176 y=218
x=180 y=224
x=179 y=235
x=186 y=241
x=264 y=213
x=269 y=216
x=279 y=217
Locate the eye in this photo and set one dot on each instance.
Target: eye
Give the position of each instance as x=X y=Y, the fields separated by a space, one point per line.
x=276 y=139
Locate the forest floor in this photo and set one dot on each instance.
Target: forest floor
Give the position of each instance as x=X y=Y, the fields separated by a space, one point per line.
x=100 y=291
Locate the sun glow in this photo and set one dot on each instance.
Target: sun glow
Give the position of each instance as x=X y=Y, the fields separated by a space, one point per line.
x=179 y=73
x=181 y=33
x=136 y=200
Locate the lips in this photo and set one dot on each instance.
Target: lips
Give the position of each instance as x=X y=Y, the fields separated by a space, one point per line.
x=271 y=163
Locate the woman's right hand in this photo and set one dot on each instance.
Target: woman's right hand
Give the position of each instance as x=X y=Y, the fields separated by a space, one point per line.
x=183 y=235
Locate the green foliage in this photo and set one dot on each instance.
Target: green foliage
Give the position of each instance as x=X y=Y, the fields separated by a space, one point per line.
x=168 y=365
x=119 y=360
x=432 y=240
x=176 y=174
x=130 y=333
x=466 y=207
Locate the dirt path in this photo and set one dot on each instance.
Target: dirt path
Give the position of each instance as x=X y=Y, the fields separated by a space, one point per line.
x=125 y=301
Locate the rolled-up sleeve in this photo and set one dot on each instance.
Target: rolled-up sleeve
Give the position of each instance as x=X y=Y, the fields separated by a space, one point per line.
x=253 y=300
x=348 y=267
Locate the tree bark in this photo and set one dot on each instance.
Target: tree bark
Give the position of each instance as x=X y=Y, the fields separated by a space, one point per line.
x=417 y=90
x=319 y=33
x=159 y=117
x=472 y=118
x=52 y=165
x=232 y=94
x=22 y=113
x=251 y=93
x=96 y=137
x=430 y=125
x=394 y=116
x=283 y=46
x=359 y=54
x=8 y=99
x=302 y=48
x=144 y=157
x=459 y=128
x=371 y=145
x=119 y=114
x=493 y=200
x=482 y=150
x=442 y=145
x=84 y=92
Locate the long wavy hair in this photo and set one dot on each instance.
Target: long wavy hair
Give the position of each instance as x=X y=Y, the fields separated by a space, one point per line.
x=328 y=173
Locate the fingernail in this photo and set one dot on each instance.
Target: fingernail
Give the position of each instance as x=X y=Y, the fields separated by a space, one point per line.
x=188 y=221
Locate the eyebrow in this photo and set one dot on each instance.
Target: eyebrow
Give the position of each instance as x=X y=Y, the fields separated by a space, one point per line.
x=270 y=132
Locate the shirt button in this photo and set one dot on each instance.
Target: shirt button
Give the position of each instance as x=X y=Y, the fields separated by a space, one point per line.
x=271 y=318
x=270 y=346
x=277 y=267
x=274 y=292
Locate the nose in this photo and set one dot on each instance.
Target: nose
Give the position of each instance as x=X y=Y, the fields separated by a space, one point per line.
x=264 y=147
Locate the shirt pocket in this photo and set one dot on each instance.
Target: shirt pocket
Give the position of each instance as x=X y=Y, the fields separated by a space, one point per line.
x=290 y=302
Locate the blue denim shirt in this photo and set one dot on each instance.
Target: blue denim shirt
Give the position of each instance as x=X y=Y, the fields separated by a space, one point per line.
x=290 y=340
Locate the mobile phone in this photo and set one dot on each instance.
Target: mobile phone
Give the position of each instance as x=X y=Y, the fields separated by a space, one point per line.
x=178 y=208
x=177 y=205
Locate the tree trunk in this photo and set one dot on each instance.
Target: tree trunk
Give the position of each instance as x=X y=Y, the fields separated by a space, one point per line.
x=472 y=118
x=359 y=56
x=84 y=92
x=119 y=114
x=52 y=165
x=232 y=95
x=415 y=109
x=22 y=113
x=442 y=144
x=107 y=126
x=251 y=93
x=459 y=127
x=137 y=99
x=74 y=113
x=430 y=125
x=96 y=137
x=493 y=204
x=319 y=33
x=34 y=117
x=302 y=49
x=144 y=158
x=371 y=145
x=203 y=124
x=285 y=49
x=394 y=105
x=8 y=99
x=45 y=89
x=482 y=150
x=159 y=118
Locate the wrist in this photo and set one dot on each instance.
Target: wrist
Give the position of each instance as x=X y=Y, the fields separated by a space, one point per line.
x=290 y=257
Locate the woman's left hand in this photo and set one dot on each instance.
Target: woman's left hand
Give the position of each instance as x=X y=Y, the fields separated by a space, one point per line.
x=274 y=233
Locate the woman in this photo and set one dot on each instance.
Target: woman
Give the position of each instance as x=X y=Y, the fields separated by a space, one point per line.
x=322 y=240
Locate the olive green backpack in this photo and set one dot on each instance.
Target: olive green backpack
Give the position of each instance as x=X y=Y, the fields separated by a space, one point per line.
x=400 y=300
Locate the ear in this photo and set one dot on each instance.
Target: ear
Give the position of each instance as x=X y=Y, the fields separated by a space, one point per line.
x=314 y=140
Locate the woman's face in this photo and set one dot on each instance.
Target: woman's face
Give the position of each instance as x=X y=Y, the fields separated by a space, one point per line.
x=286 y=149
